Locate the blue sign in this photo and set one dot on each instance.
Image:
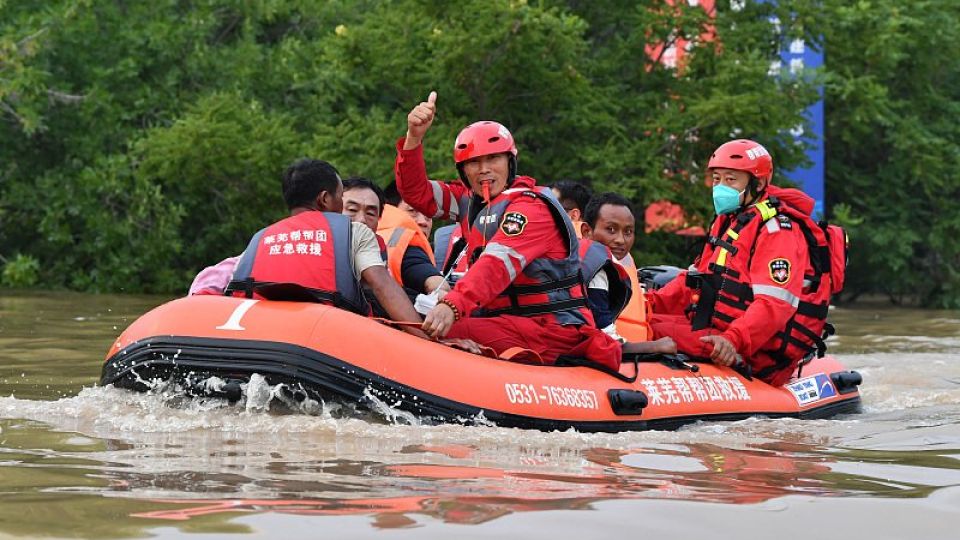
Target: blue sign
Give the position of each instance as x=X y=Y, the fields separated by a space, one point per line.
x=797 y=56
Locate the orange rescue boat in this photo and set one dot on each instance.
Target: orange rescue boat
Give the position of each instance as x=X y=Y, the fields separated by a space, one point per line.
x=327 y=353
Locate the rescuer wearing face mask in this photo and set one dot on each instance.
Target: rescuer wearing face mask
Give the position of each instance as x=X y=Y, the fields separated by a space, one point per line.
x=749 y=294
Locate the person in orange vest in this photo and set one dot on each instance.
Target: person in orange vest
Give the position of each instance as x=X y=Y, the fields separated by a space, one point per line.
x=405 y=249
x=425 y=223
x=522 y=288
x=609 y=223
x=759 y=291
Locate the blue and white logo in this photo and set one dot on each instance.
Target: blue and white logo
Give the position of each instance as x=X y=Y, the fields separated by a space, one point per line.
x=812 y=389
x=825 y=386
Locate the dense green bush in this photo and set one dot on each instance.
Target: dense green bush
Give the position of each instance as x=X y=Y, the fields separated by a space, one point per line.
x=20 y=271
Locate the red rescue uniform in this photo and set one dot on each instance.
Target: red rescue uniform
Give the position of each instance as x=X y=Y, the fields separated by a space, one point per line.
x=755 y=268
x=520 y=245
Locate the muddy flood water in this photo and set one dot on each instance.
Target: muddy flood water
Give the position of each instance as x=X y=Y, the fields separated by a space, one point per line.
x=82 y=461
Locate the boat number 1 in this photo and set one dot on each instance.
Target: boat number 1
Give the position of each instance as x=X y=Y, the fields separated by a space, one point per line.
x=233 y=323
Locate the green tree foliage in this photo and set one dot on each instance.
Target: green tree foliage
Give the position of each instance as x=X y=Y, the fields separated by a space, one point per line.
x=665 y=121
x=21 y=271
x=893 y=144
x=144 y=140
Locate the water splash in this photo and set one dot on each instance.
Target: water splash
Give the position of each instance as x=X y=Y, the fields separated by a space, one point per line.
x=391 y=413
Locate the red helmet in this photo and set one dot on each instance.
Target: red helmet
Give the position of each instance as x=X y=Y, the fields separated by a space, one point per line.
x=743 y=155
x=483 y=139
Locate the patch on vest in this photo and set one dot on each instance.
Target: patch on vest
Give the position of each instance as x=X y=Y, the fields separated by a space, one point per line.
x=785 y=222
x=513 y=223
x=780 y=271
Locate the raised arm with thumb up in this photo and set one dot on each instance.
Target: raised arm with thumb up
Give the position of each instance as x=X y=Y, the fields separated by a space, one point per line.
x=419 y=121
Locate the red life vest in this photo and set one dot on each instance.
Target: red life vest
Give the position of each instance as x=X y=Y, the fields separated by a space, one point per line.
x=448 y=243
x=595 y=258
x=311 y=251
x=724 y=296
x=546 y=286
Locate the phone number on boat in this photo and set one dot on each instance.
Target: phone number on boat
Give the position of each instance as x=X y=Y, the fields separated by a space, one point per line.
x=528 y=394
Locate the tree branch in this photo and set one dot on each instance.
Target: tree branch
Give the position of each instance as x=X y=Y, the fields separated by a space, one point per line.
x=57 y=96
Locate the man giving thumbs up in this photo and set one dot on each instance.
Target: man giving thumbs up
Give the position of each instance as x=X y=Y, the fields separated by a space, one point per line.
x=522 y=287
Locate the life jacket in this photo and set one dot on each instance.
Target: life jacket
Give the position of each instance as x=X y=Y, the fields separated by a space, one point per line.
x=545 y=286
x=303 y=257
x=595 y=258
x=723 y=296
x=448 y=242
x=399 y=232
x=633 y=323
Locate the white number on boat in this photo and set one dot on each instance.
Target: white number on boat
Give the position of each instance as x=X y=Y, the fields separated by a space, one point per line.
x=528 y=394
x=233 y=323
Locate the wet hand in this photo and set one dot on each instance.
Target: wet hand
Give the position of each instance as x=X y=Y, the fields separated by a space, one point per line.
x=438 y=321
x=421 y=117
x=724 y=353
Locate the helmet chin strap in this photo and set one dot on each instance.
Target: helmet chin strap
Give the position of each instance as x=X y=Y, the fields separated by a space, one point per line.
x=752 y=187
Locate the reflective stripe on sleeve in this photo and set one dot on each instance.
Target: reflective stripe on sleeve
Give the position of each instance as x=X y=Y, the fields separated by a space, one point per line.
x=505 y=253
x=437 y=198
x=454 y=208
x=777 y=292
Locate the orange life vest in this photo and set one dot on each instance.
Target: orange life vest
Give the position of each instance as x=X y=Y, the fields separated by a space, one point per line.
x=633 y=322
x=399 y=231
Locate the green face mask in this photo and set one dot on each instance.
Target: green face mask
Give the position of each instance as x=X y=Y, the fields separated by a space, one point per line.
x=726 y=199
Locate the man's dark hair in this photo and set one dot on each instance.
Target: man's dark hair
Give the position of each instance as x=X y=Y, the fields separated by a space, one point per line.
x=574 y=192
x=392 y=194
x=359 y=182
x=306 y=179
x=592 y=212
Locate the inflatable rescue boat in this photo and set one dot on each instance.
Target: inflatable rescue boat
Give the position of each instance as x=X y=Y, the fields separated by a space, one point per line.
x=329 y=354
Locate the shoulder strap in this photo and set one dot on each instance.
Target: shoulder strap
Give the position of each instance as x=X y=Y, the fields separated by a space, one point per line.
x=242 y=280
